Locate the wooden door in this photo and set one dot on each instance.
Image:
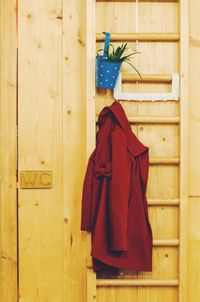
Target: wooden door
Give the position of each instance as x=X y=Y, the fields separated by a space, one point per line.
x=42 y=139
x=155 y=28
x=51 y=137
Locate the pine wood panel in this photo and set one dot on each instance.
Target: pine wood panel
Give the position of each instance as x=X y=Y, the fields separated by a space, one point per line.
x=117 y=295
x=194 y=149
x=115 y=16
x=184 y=150
x=165 y=264
x=158 y=294
x=40 y=148
x=8 y=151
x=74 y=149
x=194 y=247
x=161 y=139
x=161 y=227
x=194 y=98
x=162 y=109
x=130 y=294
x=163 y=182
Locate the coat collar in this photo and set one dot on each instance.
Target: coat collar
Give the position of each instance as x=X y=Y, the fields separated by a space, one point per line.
x=135 y=147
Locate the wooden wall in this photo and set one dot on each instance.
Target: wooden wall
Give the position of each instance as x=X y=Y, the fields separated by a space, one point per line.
x=56 y=132
x=194 y=149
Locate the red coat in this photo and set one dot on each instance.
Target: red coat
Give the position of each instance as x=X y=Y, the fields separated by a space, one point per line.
x=114 y=205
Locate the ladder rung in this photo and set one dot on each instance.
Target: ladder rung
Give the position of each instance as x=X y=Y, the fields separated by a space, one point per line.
x=100 y=37
x=163 y=202
x=164 y=161
x=136 y=282
x=168 y=1
x=153 y=120
x=169 y=242
x=160 y=78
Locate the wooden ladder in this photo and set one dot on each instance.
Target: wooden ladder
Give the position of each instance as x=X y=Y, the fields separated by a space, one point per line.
x=179 y=162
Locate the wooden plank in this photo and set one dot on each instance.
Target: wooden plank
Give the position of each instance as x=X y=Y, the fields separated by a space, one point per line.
x=184 y=150
x=117 y=294
x=106 y=13
x=163 y=1
x=157 y=294
x=142 y=37
x=137 y=282
x=194 y=246
x=155 y=78
x=162 y=229
x=163 y=202
x=163 y=182
x=40 y=148
x=8 y=152
x=153 y=120
x=194 y=91
x=162 y=140
x=75 y=94
x=194 y=149
x=90 y=76
x=165 y=260
x=164 y=161
x=90 y=91
x=91 y=286
x=162 y=16
x=90 y=126
x=166 y=242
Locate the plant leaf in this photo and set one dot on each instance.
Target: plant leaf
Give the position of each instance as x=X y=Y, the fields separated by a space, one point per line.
x=135 y=69
x=99 y=50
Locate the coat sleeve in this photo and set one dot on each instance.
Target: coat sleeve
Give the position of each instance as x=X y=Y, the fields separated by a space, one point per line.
x=87 y=198
x=119 y=191
x=144 y=169
x=143 y=161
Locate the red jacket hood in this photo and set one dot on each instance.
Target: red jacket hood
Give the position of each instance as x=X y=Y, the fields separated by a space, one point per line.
x=135 y=147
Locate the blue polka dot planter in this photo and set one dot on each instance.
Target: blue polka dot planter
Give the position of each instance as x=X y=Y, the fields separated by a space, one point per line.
x=107 y=73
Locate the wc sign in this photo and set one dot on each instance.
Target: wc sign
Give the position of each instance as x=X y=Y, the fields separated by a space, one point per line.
x=36 y=179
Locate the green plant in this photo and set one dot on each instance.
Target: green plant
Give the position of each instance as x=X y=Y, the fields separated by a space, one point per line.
x=118 y=55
